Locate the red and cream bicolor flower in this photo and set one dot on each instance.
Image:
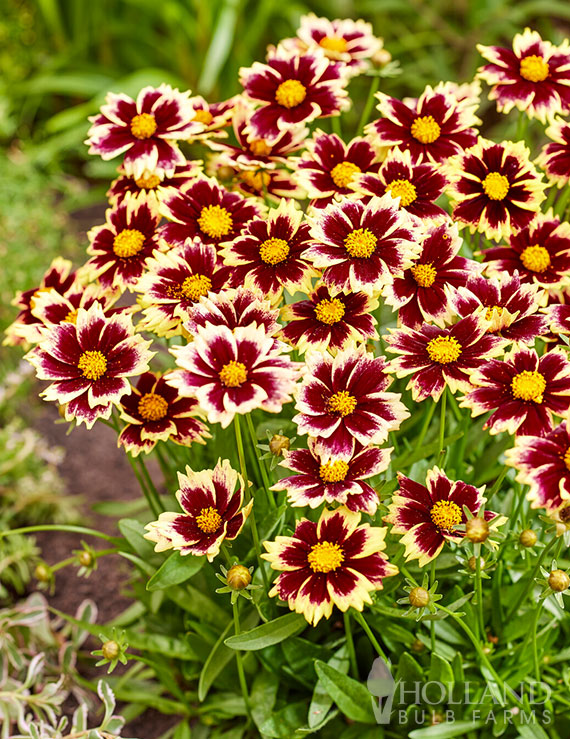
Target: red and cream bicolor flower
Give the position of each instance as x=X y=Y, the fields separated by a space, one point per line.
x=495 y=188
x=152 y=185
x=533 y=76
x=523 y=391
x=428 y=515
x=334 y=561
x=234 y=372
x=322 y=478
x=343 y=401
x=155 y=412
x=362 y=247
x=88 y=363
x=555 y=156
x=232 y=308
x=211 y=513
x=292 y=89
x=145 y=130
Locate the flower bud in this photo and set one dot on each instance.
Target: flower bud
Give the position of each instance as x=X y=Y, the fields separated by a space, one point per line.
x=419 y=597
x=472 y=563
x=558 y=580
x=43 y=572
x=238 y=577
x=85 y=558
x=477 y=530
x=527 y=538
x=278 y=445
x=418 y=646
x=110 y=650
x=381 y=58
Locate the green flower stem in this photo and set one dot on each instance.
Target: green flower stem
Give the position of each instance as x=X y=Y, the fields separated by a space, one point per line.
x=350 y=645
x=169 y=475
x=498 y=483
x=247 y=496
x=239 y=661
x=427 y=420
x=535 y=640
x=522 y=125
x=336 y=126
x=374 y=84
x=479 y=590
x=57 y=527
x=550 y=198
x=522 y=597
x=362 y=621
x=63 y=563
x=442 y=425
x=432 y=622
x=562 y=202
x=156 y=511
x=260 y=462
x=151 y=486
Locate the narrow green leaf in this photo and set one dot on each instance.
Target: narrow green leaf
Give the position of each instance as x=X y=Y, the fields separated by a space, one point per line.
x=446 y=731
x=350 y=696
x=268 y=634
x=321 y=700
x=174 y=570
x=134 y=532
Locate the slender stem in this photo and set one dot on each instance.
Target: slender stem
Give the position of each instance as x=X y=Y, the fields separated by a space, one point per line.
x=498 y=483
x=479 y=590
x=362 y=621
x=442 y=424
x=432 y=623
x=149 y=499
x=63 y=563
x=239 y=661
x=57 y=527
x=350 y=645
x=335 y=125
x=253 y=524
x=535 y=641
x=151 y=485
x=427 y=419
x=522 y=597
x=374 y=84
x=169 y=476
x=260 y=462
x=522 y=125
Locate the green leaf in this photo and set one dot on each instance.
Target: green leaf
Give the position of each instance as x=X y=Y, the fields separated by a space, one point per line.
x=263 y=696
x=134 y=532
x=268 y=634
x=284 y=724
x=532 y=732
x=174 y=570
x=409 y=671
x=440 y=680
x=446 y=731
x=321 y=700
x=350 y=696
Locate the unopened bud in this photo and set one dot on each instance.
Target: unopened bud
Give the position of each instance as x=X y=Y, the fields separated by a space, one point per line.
x=381 y=58
x=238 y=577
x=85 y=558
x=418 y=646
x=558 y=580
x=110 y=650
x=43 y=572
x=477 y=530
x=278 y=445
x=527 y=538
x=419 y=597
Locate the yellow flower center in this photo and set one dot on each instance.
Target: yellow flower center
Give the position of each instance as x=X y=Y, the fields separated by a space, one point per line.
x=143 y=126
x=209 y=520
x=529 y=386
x=491 y=312
x=333 y=471
x=215 y=221
x=536 y=258
x=424 y=274
x=329 y=311
x=274 y=251
x=534 y=68
x=342 y=403
x=444 y=349
x=425 y=129
x=343 y=172
x=496 y=186
x=259 y=147
x=233 y=374
x=71 y=317
x=148 y=182
x=333 y=43
x=290 y=93
x=258 y=180
x=404 y=190
x=361 y=243
x=128 y=242
x=203 y=116
x=153 y=407
x=325 y=557
x=195 y=286
x=445 y=514
x=566 y=459
x=93 y=364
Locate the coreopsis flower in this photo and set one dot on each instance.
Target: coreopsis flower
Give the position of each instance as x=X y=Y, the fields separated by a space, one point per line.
x=120 y=247
x=328 y=166
x=362 y=247
x=419 y=294
x=149 y=186
x=174 y=281
x=155 y=412
x=434 y=129
x=269 y=254
x=292 y=89
x=212 y=512
x=60 y=277
x=543 y=463
x=334 y=561
x=89 y=362
x=329 y=320
x=207 y=210
x=213 y=116
x=145 y=130
x=533 y=76
x=554 y=158
x=232 y=308
x=347 y=41
x=523 y=391
x=337 y=479
x=558 y=316
x=234 y=372
x=428 y=515
x=343 y=400
x=512 y=307
x=436 y=357
x=495 y=188
x=417 y=185
x=540 y=253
